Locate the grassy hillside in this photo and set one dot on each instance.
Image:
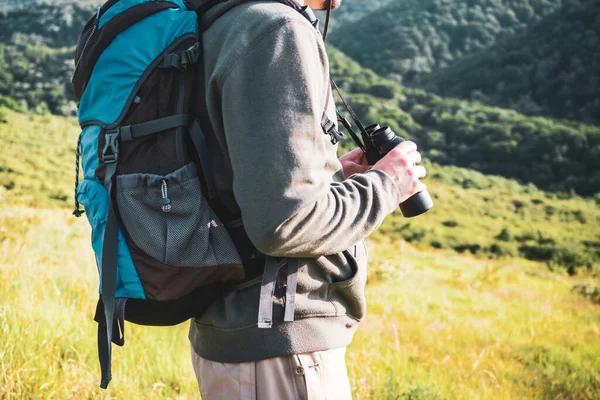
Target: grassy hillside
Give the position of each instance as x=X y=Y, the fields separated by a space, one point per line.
x=491 y=217
x=554 y=155
x=551 y=68
x=439 y=326
x=37 y=166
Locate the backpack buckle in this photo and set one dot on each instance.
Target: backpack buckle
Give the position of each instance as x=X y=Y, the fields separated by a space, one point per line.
x=330 y=129
x=110 y=152
x=193 y=53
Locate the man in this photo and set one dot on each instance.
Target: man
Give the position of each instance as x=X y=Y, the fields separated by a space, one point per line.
x=267 y=78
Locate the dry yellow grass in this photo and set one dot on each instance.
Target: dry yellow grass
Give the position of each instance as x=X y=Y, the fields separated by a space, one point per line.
x=440 y=326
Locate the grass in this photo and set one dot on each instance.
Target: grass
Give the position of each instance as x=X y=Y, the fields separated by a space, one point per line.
x=440 y=326
x=37 y=164
x=487 y=216
x=493 y=217
x=484 y=324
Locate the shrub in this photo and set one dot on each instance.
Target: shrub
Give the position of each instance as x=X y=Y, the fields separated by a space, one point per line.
x=518 y=204
x=382 y=91
x=570 y=260
x=537 y=252
x=504 y=235
x=501 y=250
x=579 y=216
x=436 y=244
x=415 y=235
x=473 y=248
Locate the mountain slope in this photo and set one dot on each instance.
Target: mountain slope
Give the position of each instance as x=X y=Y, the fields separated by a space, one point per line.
x=554 y=155
x=36 y=56
x=552 y=68
x=6 y=5
x=55 y=25
x=354 y=10
x=487 y=216
x=409 y=39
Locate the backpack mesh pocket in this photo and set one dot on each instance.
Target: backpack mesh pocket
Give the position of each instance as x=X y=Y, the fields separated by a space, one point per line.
x=169 y=219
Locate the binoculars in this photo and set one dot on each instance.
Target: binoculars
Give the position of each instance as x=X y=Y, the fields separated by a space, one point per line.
x=381 y=140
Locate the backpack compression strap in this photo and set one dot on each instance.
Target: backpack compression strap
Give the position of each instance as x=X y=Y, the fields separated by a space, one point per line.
x=110 y=157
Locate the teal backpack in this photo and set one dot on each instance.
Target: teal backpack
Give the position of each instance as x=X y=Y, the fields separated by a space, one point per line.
x=164 y=245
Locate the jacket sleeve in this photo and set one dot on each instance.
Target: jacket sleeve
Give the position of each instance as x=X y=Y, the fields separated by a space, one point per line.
x=285 y=168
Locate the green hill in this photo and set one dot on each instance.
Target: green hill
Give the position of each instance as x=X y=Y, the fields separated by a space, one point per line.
x=36 y=56
x=354 y=10
x=551 y=68
x=9 y=5
x=554 y=155
x=486 y=216
x=55 y=25
x=36 y=68
x=406 y=40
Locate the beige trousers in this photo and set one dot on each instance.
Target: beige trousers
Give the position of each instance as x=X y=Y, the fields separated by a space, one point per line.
x=321 y=375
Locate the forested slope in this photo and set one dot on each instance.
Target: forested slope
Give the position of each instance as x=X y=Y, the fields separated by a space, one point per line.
x=354 y=10
x=36 y=56
x=407 y=39
x=552 y=68
x=36 y=67
x=554 y=155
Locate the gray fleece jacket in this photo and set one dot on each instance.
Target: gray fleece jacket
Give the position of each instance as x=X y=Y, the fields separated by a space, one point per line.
x=267 y=78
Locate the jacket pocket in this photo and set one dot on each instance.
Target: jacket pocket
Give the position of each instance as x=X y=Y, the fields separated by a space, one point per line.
x=348 y=295
x=168 y=218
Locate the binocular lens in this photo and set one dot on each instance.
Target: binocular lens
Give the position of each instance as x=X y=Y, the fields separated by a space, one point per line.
x=384 y=139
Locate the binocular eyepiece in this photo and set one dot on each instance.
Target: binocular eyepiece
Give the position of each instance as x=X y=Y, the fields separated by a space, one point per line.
x=381 y=140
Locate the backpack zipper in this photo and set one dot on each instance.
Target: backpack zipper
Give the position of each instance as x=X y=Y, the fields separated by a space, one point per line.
x=166 y=202
x=94 y=29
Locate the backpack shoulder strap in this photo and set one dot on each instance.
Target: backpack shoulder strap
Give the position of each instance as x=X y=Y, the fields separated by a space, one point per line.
x=272 y=266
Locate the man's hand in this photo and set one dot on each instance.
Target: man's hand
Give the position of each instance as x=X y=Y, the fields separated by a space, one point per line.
x=401 y=165
x=354 y=162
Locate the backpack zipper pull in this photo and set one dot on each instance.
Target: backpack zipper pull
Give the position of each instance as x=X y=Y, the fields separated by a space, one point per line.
x=166 y=202
x=94 y=29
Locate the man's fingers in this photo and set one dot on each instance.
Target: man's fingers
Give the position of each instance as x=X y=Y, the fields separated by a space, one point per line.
x=405 y=147
x=413 y=158
x=355 y=155
x=419 y=172
x=419 y=187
